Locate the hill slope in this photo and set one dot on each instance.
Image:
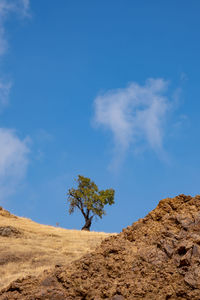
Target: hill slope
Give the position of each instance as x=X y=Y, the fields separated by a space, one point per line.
x=156 y=258
x=27 y=248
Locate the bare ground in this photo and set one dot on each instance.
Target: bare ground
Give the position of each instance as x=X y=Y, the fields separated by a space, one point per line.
x=157 y=258
x=28 y=248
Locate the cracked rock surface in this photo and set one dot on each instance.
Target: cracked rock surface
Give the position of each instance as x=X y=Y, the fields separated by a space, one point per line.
x=156 y=258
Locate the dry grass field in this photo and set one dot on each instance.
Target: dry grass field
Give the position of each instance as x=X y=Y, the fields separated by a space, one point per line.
x=27 y=248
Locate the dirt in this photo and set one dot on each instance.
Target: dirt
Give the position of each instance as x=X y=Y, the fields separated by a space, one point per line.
x=156 y=258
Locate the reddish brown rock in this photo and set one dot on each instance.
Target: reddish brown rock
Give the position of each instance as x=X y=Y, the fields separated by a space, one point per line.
x=156 y=258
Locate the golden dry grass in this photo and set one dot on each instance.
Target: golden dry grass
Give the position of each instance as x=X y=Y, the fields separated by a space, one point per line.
x=40 y=247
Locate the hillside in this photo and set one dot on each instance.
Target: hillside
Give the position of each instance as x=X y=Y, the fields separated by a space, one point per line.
x=156 y=258
x=28 y=248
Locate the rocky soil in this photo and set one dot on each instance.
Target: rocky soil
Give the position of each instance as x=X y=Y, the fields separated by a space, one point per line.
x=156 y=258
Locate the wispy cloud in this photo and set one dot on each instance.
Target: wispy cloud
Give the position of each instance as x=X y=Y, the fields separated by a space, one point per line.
x=13 y=150
x=4 y=93
x=8 y=7
x=19 y=6
x=134 y=114
x=13 y=161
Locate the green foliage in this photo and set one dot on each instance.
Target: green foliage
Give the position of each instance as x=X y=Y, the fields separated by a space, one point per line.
x=88 y=198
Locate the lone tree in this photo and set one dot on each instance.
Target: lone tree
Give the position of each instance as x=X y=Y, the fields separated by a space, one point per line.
x=89 y=200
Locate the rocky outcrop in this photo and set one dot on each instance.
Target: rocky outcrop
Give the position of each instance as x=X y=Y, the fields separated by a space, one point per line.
x=8 y=231
x=156 y=258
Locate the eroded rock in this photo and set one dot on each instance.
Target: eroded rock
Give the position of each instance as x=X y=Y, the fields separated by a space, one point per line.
x=156 y=258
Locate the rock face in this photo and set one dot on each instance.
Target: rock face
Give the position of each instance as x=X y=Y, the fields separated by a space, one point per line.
x=156 y=258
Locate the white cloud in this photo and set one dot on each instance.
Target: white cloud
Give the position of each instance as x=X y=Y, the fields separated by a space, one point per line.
x=13 y=161
x=7 y=7
x=16 y=6
x=13 y=151
x=134 y=114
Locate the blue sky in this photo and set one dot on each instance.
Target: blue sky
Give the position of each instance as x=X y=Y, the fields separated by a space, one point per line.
x=106 y=89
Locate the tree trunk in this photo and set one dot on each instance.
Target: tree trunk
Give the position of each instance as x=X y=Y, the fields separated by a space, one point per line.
x=88 y=222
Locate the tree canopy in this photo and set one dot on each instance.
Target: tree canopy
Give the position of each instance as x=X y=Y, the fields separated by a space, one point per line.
x=89 y=200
